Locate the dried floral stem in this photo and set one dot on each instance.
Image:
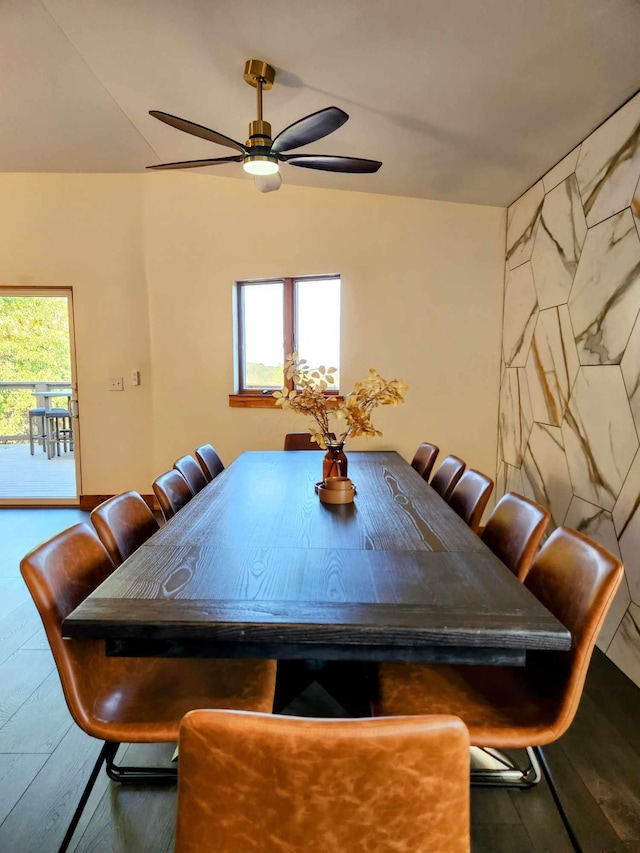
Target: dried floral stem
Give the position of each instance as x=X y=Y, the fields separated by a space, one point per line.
x=308 y=398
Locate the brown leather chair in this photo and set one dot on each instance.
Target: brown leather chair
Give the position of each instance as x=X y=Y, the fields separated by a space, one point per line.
x=470 y=496
x=299 y=441
x=514 y=531
x=192 y=473
x=122 y=699
x=424 y=458
x=123 y=524
x=209 y=460
x=521 y=707
x=447 y=475
x=172 y=492
x=259 y=784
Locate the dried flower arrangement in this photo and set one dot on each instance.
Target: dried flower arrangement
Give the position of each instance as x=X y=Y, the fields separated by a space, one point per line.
x=308 y=398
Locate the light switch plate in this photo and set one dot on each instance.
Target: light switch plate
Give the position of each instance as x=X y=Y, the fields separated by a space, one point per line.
x=135 y=377
x=116 y=383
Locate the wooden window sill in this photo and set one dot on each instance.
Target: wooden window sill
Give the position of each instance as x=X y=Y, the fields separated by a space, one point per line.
x=252 y=401
x=263 y=401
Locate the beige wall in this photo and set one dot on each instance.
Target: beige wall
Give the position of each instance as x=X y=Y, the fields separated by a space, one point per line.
x=85 y=232
x=421 y=301
x=152 y=260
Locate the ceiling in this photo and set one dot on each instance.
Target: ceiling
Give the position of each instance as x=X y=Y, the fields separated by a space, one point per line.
x=463 y=101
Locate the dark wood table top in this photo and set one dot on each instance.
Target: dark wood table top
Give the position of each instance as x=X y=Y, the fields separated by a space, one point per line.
x=256 y=566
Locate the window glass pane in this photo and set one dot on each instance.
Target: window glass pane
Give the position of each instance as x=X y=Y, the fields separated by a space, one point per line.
x=263 y=335
x=318 y=322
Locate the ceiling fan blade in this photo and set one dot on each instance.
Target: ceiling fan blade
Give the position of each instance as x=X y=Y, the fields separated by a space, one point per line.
x=309 y=128
x=268 y=183
x=197 y=130
x=328 y=163
x=194 y=164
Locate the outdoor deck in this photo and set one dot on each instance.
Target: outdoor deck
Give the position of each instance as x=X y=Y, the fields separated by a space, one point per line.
x=26 y=476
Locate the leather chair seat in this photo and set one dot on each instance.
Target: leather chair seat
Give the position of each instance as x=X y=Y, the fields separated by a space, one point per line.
x=503 y=707
x=144 y=703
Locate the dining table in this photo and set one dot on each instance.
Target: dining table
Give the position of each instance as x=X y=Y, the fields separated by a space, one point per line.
x=56 y=393
x=256 y=566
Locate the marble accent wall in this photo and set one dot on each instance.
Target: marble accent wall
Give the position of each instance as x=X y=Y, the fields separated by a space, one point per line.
x=570 y=380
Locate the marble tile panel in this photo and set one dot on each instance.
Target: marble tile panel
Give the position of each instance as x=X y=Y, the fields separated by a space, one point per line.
x=599 y=435
x=552 y=365
x=522 y=222
x=609 y=164
x=510 y=433
x=526 y=409
x=626 y=518
x=558 y=243
x=605 y=297
x=630 y=365
x=594 y=522
x=514 y=405
x=597 y=524
x=501 y=479
x=635 y=207
x=545 y=475
x=520 y=312
x=624 y=650
x=612 y=620
x=561 y=170
x=514 y=480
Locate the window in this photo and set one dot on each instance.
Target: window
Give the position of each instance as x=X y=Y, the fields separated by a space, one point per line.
x=276 y=317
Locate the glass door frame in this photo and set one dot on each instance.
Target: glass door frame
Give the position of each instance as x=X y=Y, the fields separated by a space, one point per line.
x=66 y=292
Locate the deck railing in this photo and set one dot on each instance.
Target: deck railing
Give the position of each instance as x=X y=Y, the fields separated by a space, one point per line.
x=16 y=398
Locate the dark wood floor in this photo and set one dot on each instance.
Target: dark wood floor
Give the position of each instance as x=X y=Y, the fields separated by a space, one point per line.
x=45 y=759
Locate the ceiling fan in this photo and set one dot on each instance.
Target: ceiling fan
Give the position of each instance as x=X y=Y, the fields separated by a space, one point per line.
x=261 y=155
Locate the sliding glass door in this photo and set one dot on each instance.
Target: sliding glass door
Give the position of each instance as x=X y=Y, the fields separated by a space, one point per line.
x=39 y=426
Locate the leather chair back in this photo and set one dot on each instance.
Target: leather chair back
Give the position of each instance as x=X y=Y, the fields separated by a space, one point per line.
x=172 y=492
x=60 y=574
x=470 y=496
x=192 y=473
x=261 y=783
x=123 y=524
x=514 y=531
x=424 y=458
x=576 y=579
x=299 y=441
x=209 y=461
x=447 y=475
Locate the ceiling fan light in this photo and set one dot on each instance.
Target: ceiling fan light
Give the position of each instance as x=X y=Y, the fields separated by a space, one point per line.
x=260 y=164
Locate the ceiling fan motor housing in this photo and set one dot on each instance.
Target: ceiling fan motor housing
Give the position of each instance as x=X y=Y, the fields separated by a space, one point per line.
x=259 y=134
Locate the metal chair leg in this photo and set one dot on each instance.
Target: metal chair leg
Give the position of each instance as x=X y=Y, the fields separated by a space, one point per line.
x=556 y=798
x=133 y=775
x=494 y=768
x=106 y=754
x=124 y=775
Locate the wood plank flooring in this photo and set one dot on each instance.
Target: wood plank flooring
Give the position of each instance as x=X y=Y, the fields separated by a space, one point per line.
x=45 y=759
x=25 y=476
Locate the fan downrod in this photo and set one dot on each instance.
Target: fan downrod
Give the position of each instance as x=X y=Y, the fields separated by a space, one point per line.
x=260 y=75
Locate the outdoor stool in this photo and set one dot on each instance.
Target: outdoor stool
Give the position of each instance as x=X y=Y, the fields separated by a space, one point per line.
x=59 y=431
x=37 y=430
